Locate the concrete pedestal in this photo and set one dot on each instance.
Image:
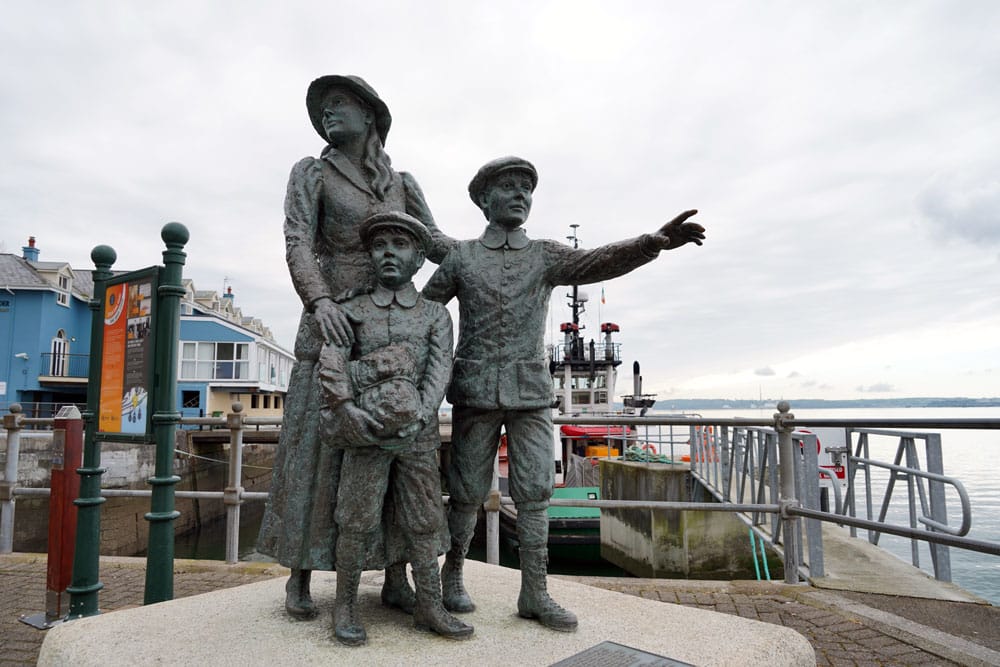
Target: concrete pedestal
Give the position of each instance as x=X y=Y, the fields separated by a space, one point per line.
x=248 y=626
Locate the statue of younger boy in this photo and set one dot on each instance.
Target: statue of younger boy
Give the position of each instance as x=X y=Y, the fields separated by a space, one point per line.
x=382 y=397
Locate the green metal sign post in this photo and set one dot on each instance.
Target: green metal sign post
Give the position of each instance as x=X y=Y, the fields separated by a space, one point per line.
x=133 y=353
x=86 y=559
x=160 y=558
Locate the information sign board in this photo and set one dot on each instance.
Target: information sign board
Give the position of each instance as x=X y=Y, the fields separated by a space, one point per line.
x=127 y=353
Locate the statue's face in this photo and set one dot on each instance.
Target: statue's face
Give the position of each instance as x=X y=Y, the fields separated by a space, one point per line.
x=507 y=199
x=396 y=257
x=344 y=115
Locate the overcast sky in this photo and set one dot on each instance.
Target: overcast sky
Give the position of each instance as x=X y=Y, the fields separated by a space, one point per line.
x=844 y=157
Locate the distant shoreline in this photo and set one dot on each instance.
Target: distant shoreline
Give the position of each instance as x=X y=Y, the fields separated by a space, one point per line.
x=819 y=403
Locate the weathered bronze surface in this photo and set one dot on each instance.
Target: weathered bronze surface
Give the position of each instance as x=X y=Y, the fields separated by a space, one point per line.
x=327 y=200
x=381 y=398
x=503 y=281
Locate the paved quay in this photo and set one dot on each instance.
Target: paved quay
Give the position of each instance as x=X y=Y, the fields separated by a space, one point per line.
x=843 y=627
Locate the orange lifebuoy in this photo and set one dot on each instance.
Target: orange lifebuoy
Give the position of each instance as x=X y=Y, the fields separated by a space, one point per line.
x=709 y=453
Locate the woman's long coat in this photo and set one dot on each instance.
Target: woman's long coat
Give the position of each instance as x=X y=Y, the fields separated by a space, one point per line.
x=326 y=202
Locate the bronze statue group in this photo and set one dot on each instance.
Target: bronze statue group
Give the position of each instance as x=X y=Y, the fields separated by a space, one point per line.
x=356 y=482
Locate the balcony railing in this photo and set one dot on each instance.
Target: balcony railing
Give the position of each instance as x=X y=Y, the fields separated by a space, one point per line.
x=62 y=365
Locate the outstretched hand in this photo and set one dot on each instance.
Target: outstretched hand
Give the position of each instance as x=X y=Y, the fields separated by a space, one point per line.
x=357 y=426
x=679 y=232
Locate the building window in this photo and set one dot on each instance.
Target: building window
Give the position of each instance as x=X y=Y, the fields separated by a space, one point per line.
x=277 y=402
x=215 y=361
x=62 y=296
x=254 y=401
x=190 y=399
x=267 y=402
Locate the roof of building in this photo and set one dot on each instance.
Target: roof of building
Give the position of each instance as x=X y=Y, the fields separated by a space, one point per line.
x=19 y=273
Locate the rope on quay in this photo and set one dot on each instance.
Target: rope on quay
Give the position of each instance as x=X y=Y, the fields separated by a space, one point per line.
x=636 y=453
x=205 y=458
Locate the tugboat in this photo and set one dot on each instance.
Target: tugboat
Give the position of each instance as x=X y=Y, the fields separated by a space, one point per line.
x=584 y=377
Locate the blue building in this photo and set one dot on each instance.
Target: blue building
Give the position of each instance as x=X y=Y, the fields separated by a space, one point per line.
x=45 y=325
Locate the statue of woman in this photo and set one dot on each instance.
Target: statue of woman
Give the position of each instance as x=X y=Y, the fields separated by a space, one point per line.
x=327 y=200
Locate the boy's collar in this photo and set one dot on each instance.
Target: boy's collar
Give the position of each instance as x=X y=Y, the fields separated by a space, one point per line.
x=405 y=296
x=495 y=237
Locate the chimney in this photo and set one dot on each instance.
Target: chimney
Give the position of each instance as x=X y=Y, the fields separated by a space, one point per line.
x=30 y=252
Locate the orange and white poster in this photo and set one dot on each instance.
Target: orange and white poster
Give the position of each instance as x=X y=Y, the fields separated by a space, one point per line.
x=126 y=362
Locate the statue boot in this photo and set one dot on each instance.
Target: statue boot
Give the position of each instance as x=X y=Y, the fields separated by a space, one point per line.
x=298 y=603
x=347 y=627
x=534 y=600
x=396 y=591
x=430 y=614
x=462 y=526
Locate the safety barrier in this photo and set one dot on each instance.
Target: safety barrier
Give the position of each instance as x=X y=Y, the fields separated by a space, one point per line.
x=758 y=468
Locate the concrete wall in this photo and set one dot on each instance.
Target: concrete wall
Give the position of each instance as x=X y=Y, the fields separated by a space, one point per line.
x=670 y=543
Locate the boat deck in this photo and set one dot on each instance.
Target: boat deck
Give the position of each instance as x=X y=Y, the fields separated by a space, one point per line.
x=844 y=627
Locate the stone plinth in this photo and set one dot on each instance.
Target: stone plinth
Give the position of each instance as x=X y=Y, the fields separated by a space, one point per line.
x=248 y=626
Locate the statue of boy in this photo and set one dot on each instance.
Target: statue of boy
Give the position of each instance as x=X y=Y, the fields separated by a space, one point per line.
x=382 y=396
x=503 y=281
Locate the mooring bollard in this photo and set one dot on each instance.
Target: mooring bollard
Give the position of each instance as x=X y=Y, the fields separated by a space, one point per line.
x=67 y=456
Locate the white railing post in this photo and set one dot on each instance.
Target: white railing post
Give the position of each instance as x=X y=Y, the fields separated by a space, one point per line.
x=786 y=465
x=12 y=423
x=232 y=496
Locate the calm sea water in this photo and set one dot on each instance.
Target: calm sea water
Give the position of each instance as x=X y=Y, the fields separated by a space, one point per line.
x=972 y=456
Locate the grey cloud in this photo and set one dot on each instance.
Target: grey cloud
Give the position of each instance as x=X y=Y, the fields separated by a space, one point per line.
x=963 y=205
x=767 y=370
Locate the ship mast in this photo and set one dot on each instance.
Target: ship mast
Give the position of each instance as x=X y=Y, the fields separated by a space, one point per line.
x=574 y=300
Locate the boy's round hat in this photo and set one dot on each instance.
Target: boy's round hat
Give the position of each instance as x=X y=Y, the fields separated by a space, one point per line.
x=398 y=220
x=494 y=167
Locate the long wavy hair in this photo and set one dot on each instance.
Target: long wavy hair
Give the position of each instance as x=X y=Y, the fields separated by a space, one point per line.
x=377 y=165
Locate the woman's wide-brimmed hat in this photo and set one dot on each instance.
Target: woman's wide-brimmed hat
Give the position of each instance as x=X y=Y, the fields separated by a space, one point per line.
x=355 y=84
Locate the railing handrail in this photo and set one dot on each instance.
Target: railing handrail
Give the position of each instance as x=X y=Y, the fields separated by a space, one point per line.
x=786 y=508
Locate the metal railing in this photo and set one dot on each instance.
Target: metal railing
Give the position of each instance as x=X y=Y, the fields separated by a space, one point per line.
x=63 y=365
x=39 y=414
x=232 y=496
x=757 y=468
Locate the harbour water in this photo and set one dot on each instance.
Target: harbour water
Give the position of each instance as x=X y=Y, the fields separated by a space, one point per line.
x=972 y=456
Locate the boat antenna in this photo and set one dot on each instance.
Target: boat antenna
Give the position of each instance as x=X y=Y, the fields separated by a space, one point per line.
x=574 y=296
